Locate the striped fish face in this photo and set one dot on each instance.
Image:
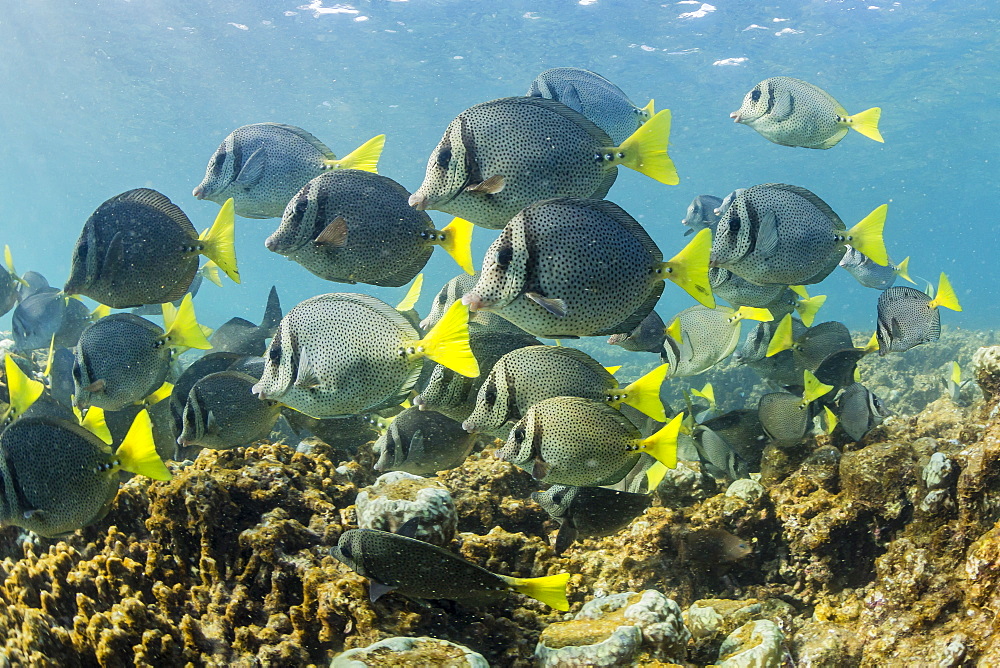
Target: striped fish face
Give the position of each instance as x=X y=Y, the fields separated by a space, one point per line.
x=222 y=169
x=761 y=100
x=736 y=233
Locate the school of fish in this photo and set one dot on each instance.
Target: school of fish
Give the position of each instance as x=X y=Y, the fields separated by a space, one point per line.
x=87 y=393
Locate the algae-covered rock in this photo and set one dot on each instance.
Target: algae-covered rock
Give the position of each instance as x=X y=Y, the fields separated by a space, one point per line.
x=398 y=498
x=757 y=644
x=402 y=652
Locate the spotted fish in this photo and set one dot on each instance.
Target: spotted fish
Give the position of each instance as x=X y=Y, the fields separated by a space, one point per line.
x=908 y=317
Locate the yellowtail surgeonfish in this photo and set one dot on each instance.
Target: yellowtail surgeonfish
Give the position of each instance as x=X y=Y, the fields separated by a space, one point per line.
x=908 y=317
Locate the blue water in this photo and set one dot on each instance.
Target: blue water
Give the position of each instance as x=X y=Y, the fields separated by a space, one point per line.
x=102 y=97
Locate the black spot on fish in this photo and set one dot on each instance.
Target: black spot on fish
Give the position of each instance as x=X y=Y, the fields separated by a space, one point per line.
x=770 y=100
x=753 y=220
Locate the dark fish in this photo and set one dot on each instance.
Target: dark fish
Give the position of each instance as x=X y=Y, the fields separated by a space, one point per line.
x=602 y=102
x=61 y=376
x=701 y=213
x=779 y=368
x=647 y=337
x=140 y=248
x=738 y=291
x=908 y=317
x=44 y=313
x=57 y=477
x=422 y=443
x=262 y=166
x=731 y=444
x=31 y=283
x=352 y=226
x=784 y=416
x=589 y=512
x=414 y=568
x=860 y=411
x=498 y=157
x=792 y=112
x=565 y=268
x=243 y=337
x=155 y=309
x=780 y=234
x=714 y=546
x=210 y=363
x=221 y=412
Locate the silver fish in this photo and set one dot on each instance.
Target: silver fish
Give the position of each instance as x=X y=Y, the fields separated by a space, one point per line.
x=702 y=212
x=422 y=442
x=908 y=317
x=860 y=411
x=872 y=275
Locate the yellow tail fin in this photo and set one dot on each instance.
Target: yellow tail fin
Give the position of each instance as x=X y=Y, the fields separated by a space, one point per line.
x=210 y=270
x=23 y=391
x=94 y=422
x=550 y=589
x=673 y=330
x=458 y=242
x=946 y=296
x=903 y=270
x=866 y=236
x=956 y=373
x=220 y=241
x=50 y=360
x=364 y=157
x=412 y=295
x=662 y=445
x=831 y=420
x=782 y=337
x=872 y=345
x=447 y=343
x=644 y=394
x=654 y=475
x=645 y=150
x=158 y=395
x=182 y=329
x=707 y=393
x=100 y=311
x=753 y=313
x=689 y=268
x=866 y=122
x=613 y=369
x=808 y=308
x=813 y=388
x=137 y=453
x=8 y=259
x=647 y=112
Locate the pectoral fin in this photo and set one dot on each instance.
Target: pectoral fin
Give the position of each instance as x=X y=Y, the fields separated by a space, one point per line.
x=556 y=307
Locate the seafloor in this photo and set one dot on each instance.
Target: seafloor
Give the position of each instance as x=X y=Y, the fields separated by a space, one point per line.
x=228 y=564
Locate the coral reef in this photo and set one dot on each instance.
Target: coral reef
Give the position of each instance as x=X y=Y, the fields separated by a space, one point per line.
x=883 y=552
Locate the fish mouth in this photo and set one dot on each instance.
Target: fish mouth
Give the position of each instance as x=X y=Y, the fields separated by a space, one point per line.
x=469 y=426
x=475 y=302
x=199 y=192
x=418 y=202
x=420 y=403
x=258 y=390
x=736 y=117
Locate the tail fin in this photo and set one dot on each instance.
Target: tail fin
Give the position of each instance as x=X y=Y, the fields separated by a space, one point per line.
x=647 y=112
x=946 y=296
x=831 y=420
x=94 y=422
x=903 y=270
x=956 y=373
x=782 y=337
x=813 y=388
x=8 y=259
x=654 y=476
x=182 y=329
x=550 y=589
x=272 y=312
x=673 y=330
x=100 y=311
x=662 y=445
x=644 y=394
x=866 y=236
x=689 y=268
x=220 y=241
x=364 y=157
x=412 y=295
x=210 y=270
x=458 y=242
x=753 y=313
x=158 y=394
x=866 y=122
x=23 y=391
x=707 y=393
x=645 y=150
x=808 y=307
x=611 y=369
x=447 y=343
x=137 y=453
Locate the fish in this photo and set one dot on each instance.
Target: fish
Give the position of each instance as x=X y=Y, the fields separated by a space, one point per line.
x=526 y=376
x=708 y=336
x=411 y=567
x=59 y=371
x=455 y=395
x=207 y=269
x=777 y=233
x=22 y=390
x=785 y=416
x=813 y=346
x=589 y=512
x=10 y=283
x=498 y=157
x=352 y=226
x=590 y=94
x=343 y=354
x=908 y=317
x=702 y=212
x=583 y=443
x=792 y=112
x=57 y=477
x=422 y=442
x=565 y=268
x=221 y=412
x=123 y=358
x=241 y=336
x=740 y=292
x=453 y=291
x=345 y=433
x=211 y=362
x=139 y=248
x=779 y=368
x=47 y=313
x=647 y=337
x=731 y=444
x=713 y=546
x=954 y=385
x=872 y=275
x=860 y=411
x=261 y=166
x=796 y=299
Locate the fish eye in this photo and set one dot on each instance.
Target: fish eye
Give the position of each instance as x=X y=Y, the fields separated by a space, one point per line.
x=442 y=298
x=301 y=206
x=77 y=373
x=220 y=160
x=519 y=435
x=491 y=395
x=734 y=224
x=755 y=94
x=504 y=256
x=444 y=158
x=274 y=354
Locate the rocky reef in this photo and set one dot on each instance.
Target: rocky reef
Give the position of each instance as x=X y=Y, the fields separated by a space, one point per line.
x=883 y=552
